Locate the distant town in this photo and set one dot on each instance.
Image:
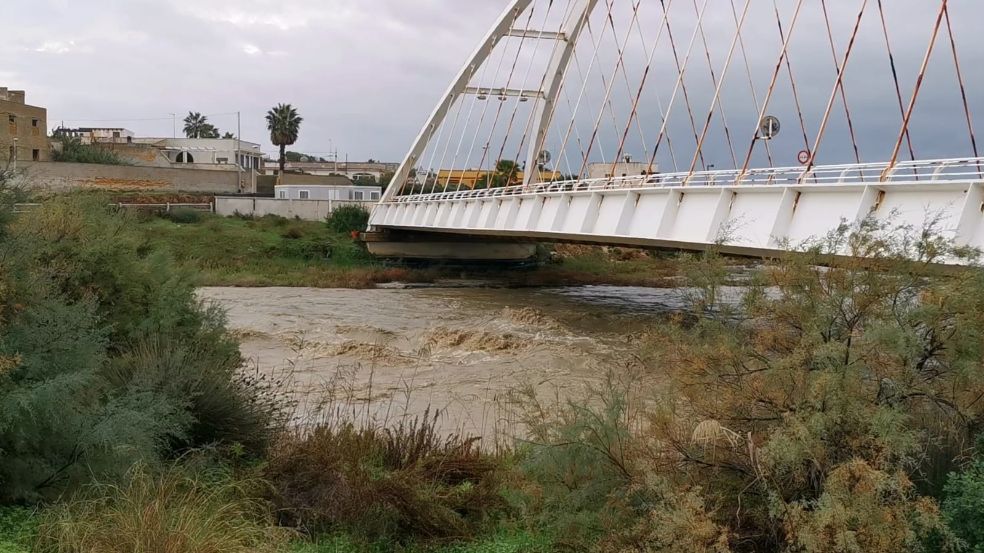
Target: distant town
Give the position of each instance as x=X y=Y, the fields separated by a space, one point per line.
x=209 y=162
x=200 y=161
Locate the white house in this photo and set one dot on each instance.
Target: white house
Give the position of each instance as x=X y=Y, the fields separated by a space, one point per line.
x=327 y=192
x=93 y=135
x=209 y=151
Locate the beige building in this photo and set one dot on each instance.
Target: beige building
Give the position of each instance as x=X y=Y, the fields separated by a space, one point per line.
x=356 y=171
x=100 y=135
x=624 y=168
x=23 y=129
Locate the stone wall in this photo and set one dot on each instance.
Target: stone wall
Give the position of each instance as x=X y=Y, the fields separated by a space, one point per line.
x=309 y=210
x=63 y=177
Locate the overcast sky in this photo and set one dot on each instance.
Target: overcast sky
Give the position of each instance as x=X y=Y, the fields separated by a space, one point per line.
x=365 y=73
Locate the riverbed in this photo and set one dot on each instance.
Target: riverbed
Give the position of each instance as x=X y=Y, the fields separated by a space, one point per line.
x=465 y=353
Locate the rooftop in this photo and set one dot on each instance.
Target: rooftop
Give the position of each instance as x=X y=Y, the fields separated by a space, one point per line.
x=15 y=96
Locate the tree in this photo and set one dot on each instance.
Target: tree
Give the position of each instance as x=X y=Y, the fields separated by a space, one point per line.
x=228 y=135
x=284 y=124
x=197 y=126
x=505 y=174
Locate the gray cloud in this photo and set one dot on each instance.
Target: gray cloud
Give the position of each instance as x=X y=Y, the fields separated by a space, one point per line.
x=363 y=74
x=366 y=73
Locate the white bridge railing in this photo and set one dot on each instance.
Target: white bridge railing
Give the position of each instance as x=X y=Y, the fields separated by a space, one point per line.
x=929 y=171
x=760 y=212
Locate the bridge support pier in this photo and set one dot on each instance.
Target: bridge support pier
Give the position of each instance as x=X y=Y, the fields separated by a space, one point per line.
x=431 y=246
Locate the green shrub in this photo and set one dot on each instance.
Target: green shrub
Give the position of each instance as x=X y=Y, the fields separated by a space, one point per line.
x=107 y=358
x=578 y=455
x=220 y=402
x=173 y=512
x=17 y=528
x=74 y=151
x=348 y=219
x=185 y=216
x=963 y=507
x=293 y=232
x=274 y=220
x=406 y=483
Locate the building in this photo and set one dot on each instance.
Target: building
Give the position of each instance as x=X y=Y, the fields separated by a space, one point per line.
x=97 y=135
x=625 y=168
x=315 y=187
x=470 y=178
x=357 y=171
x=208 y=151
x=25 y=135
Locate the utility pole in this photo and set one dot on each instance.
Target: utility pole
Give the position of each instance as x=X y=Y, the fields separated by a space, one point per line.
x=239 y=159
x=174 y=125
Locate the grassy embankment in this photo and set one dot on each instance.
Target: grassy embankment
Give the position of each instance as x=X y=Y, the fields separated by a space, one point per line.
x=273 y=251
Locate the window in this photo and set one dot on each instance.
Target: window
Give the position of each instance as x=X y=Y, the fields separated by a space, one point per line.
x=374 y=195
x=282 y=194
x=36 y=155
x=116 y=134
x=185 y=157
x=34 y=122
x=222 y=160
x=358 y=195
x=304 y=194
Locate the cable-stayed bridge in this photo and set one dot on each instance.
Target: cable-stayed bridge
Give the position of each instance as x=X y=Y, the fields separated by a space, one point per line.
x=685 y=123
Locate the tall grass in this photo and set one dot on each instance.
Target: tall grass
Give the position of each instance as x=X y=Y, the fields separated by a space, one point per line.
x=174 y=512
x=406 y=482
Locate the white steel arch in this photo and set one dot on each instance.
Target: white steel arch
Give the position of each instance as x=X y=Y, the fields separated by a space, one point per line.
x=778 y=204
x=566 y=41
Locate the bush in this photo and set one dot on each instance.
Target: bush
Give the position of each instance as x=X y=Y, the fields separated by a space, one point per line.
x=405 y=483
x=173 y=512
x=578 y=457
x=17 y=529
x=74 y=151
x=107 y=358
x=348 y=219
x=185 y=216
x=810 y=414
x=963 y=507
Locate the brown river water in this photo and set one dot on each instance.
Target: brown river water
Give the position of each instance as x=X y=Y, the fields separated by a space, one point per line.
x=387 y=353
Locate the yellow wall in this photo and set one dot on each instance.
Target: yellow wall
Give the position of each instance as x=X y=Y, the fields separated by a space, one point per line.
x=468 y=178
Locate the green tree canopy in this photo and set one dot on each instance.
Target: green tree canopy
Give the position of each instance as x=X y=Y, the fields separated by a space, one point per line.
x=196 y=125
x=284 y=125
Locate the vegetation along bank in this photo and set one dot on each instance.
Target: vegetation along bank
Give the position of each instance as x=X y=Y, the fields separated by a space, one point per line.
x=828 y=410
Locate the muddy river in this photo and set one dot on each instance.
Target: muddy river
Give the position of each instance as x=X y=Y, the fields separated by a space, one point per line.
x=388 y=353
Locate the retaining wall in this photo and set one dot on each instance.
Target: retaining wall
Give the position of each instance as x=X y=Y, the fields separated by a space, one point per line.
x=63 y=177
x=309 y=210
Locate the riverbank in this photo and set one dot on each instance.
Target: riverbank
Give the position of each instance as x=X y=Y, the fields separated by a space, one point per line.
x=273 y=251
x=825 y=403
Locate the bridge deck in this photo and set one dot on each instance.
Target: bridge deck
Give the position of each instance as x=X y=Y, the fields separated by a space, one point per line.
x=756 y=212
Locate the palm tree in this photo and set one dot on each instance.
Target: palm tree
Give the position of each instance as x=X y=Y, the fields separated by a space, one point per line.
x=197 y=126
x=284 y=124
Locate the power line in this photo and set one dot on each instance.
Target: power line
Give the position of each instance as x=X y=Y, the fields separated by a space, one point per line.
x=139 y=119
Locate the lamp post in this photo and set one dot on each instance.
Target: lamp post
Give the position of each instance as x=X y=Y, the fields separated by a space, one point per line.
x=15 y=153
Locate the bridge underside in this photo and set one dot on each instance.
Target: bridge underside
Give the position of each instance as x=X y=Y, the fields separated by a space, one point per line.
x=745 y=219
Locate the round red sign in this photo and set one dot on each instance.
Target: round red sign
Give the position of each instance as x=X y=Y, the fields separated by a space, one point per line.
x=804 y=157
